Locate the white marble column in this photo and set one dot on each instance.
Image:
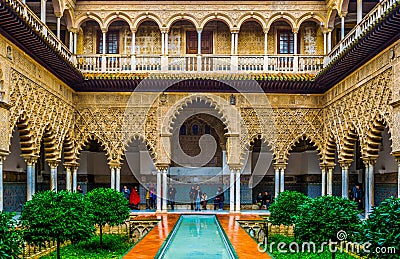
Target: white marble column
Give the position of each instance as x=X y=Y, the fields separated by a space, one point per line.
x=58 y=27
x=30 y=178
x=133 y=43
x=329 y=181
x=133 y=51
x=323 y=181
x=166 y=43
x=295 y=50
x=43 y=11
x=162 y=43
x=233 y=43
x=104 y=42
x=232 y=191
x=71 y=41
x=68 y=178
x=366 y=189
x=164 y=190
x=237 y=43
x=75 y=41
x=265 y=43
x=159 y=191
x=371 y=186
x=359 y=11
x=329 y=41
x=276 y=182
x=1 y=184
x=282 y=180
x=325 y=42
x=74 y=178
x=53 y=175
x=199 y=41
x=237 y=189
x=342 y=28
x=345 y=180
x=398 y=178
x=112 y=178
x=118 y=178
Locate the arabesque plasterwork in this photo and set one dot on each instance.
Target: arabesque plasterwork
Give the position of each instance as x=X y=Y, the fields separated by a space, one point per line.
x=114 y=119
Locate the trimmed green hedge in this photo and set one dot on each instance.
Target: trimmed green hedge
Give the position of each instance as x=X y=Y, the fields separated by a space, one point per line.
x=113 y=247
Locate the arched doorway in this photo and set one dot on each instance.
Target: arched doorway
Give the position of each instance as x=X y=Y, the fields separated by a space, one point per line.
x=198 y=155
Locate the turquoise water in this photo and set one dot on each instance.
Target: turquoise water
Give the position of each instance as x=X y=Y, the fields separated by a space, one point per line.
x=197 y=236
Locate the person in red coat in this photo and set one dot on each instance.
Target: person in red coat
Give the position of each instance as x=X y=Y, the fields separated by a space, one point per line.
x=134 y=198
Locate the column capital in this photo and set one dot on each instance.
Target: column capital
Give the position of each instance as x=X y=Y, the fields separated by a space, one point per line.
x=162 y=167
x=342 y=14
x=396 y=155
x=199 y=30
x=164 y=30
x=73 y=30
x=104 y=30
x=133 y=30
x=266 y=30
x=30 y=159
x=280 y=165
x=235 y=167
x=326 y=165
x=295 y=30
x=370 y=160
x=58 y=14
x=235 y=30
x=53 y=163
x=326 y=30
x=345 y=164
x=71 y=165
x=114 y=164
x=4 y=153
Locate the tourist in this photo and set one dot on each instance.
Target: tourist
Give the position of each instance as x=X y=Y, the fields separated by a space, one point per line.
x=79 y=189
x=153 y=198
x=171 y=194
x=220 y=198
x=197 y=196
x=266 y=200
x=192 y=193
x=259 y=200
x=134 y=198
x=357 y=196
x=126 y=192
x=204 y=201
x=148 y=198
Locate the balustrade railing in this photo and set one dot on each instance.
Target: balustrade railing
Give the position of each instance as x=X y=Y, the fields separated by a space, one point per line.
x=147 y=63
x=200 y=63
x=251 y=63
x=368 y=21
x=37 y=25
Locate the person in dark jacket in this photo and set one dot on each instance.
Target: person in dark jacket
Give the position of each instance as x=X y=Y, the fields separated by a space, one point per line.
x=266 y=200
x=357 y=195
x=192 y=192
x=171 y=194
x=259 y=200
x=221 y=198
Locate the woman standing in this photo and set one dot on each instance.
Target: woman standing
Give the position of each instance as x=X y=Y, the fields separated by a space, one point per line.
x=197 y=196
x=204 y=201
x=134 y=198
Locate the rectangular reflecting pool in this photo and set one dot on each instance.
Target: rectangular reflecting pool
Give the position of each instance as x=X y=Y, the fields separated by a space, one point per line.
x=197 y=236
